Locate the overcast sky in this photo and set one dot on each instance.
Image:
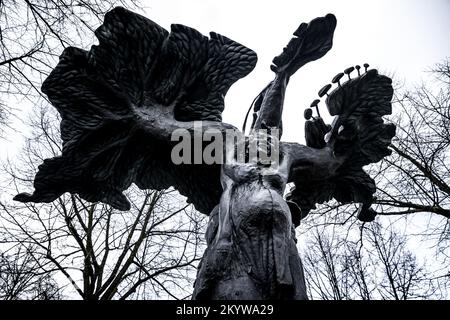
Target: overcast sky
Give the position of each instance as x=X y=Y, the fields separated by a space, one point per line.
x=401 y=37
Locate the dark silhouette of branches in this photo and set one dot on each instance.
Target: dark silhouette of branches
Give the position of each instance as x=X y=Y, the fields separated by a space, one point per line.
x=32 y=35
x=148 y=252
x=417 y=177
x=105 y=254
x=21 y=277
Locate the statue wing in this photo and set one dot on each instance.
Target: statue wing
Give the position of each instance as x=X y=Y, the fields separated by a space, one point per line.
x=358 y=137
x=105 y=95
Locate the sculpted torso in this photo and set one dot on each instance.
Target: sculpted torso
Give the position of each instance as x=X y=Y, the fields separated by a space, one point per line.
x=252 y=235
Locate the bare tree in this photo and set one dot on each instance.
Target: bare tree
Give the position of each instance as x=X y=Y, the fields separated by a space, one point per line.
x=377 y=266
x=415 y=180
x=324 y=274
x=32 y=35
x=105 y=254
x=21 y=277
x=150 y=251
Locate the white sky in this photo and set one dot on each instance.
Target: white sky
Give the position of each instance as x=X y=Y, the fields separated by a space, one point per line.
x=401 y=37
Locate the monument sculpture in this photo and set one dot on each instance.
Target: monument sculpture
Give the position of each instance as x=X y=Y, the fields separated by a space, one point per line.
x=121 y=101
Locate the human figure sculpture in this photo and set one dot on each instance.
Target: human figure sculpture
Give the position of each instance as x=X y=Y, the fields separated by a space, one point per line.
x=121 y=101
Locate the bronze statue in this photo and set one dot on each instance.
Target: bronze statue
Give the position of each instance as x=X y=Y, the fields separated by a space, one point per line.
x=121 y=101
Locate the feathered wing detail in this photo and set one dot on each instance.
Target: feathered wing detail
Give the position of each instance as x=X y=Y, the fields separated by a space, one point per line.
x=359 y=129
x=129 y=45
x=227 y=62
x=359 y=137
x=103 y=94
